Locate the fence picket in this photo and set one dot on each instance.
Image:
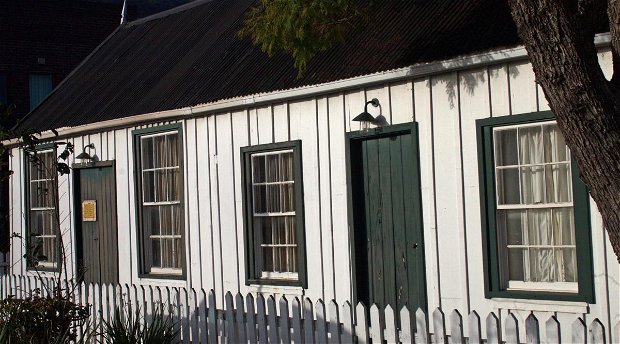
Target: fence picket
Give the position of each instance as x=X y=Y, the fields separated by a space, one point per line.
x=194 y=316
x=230 y=330
x=493 y=329
x=105 y=314
x=439 y=326
x=272 y=320
x=578 y=331
x=285 y=327
x=512 y=329
x=391 y=327
x=421 y=327
x=202 y=313
x=475 y=333
x=376 y=327
x=261 y=319
x=184 y=314
x=240 y=317
x=532 y=332
x=456 y=328
x=334 y=322
x=361 y=328
x=347 y=323
x=552 y=330
x=597 y=332
x=212 y=318
x=321 y=323
x=250 y=318
x=308 y=321
x=296 y=322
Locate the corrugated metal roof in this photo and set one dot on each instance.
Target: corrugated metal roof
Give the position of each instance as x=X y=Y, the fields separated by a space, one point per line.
x=191 y=56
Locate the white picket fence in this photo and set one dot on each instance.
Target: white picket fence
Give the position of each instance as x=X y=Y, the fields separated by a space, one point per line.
x=259 y=320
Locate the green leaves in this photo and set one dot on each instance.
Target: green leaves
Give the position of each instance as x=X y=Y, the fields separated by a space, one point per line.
x=301 y=28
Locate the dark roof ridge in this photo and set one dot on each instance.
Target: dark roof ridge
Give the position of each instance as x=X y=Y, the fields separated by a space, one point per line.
x=168 y=12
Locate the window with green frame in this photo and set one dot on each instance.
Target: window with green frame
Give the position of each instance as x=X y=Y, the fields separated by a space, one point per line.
x=159 y=193
x=274 y=222
x=536 y=227
x=42 y=234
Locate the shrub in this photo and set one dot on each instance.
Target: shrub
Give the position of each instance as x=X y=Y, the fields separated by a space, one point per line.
x=133 y=328
x=40 y=320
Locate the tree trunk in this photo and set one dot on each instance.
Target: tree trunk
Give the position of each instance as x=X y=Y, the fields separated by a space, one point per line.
x=560 y=43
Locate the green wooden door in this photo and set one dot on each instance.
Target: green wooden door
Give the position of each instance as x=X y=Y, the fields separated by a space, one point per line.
x=387 y=217
x=96 y=225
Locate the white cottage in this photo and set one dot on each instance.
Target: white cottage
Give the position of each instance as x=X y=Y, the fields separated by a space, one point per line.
x=214 y=167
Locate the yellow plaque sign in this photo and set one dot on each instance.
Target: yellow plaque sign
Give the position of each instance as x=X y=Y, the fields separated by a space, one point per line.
x=89 y=211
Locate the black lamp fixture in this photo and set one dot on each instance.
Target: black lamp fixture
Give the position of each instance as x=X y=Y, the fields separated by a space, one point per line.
x=365 y=118
x=84 y=155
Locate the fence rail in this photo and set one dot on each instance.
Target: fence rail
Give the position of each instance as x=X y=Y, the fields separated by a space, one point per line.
x=256 y=319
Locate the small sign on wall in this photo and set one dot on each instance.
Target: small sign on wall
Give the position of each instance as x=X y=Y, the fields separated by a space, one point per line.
x=89 y=211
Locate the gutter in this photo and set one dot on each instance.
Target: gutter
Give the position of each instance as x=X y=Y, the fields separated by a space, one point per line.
x=227 y=105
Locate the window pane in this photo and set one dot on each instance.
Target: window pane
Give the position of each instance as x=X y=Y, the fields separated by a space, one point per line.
x=555 y=147
x=542 y=265
x=273 y=167
x=172 y=150
x=508 y=186
x=42 y=222
x=516 y=262
x=532 y=185
x=510 y=222
x=288 y=197
x=538 y=225
x=260 y=199
x=530 y=145
x=258 y=168
x=147 y=152
x=557 y=178
x=287 y=167
x=148 y=186
x=156 y=252
x=273 y=199
x=151 y=222
x=506 y=147
x=567 y=259
x=563 y=226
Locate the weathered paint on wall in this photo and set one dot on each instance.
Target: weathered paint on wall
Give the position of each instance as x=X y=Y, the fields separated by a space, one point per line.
x=445 y=107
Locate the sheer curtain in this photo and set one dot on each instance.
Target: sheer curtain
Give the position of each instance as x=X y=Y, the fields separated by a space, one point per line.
x=535 y=204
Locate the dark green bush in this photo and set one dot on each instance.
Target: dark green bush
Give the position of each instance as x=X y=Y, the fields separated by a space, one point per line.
x=40 y=320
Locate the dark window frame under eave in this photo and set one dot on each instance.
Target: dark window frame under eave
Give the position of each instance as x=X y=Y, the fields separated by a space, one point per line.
x=492 y=280
x=136 y=135
x=251 y=273
x=27 y=221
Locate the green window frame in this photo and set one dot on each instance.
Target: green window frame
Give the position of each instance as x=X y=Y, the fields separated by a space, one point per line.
x=497 y=243
x=160 y=201
x=41 y=203
x=273 y=220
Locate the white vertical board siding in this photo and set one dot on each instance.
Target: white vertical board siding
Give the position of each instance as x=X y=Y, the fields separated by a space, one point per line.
x=325 y=197
x=240 y=139
x=474 y=104
x=522 y=83
x=192 y=225
x=228 y=230
x=423 y=114
x=499 y=92
x=17 y=213
x=207 y=259
x=215 y=209
x=337 y=168
x=448 y=193
x=126 y=248
x=401 y=102
x=303 y=126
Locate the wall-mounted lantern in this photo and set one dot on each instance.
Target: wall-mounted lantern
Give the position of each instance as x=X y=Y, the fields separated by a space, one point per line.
x=365 y=118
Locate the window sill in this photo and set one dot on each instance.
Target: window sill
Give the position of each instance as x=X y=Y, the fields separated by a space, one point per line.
x=162 y=281
x=275 y=289
x=541 y=305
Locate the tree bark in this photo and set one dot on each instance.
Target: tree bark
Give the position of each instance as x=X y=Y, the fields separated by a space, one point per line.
x=559 y=38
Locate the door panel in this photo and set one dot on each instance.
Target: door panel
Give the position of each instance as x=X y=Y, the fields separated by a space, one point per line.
x=97 y=246
x=387 y=218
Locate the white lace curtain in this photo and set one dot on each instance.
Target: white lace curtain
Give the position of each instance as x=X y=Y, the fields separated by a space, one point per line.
x=534 y=193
